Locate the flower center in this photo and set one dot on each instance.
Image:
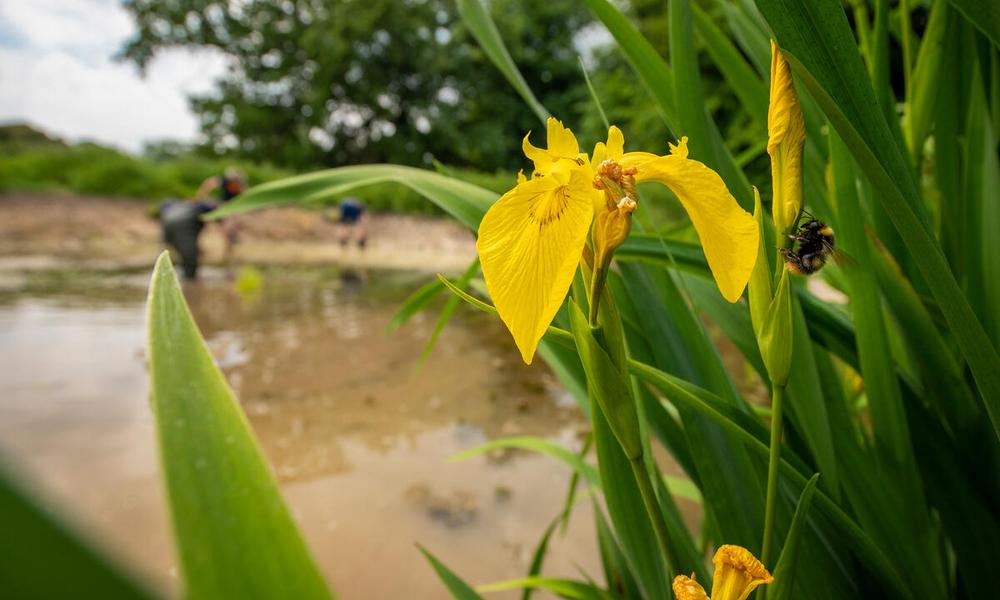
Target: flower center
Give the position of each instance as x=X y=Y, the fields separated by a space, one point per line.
x=549 y=205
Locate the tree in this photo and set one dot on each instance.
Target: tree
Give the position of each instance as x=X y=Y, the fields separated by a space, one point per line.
x=316 y=82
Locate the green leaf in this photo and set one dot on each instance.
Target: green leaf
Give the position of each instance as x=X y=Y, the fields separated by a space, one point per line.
x=566 y=588
x=616 y=570
x=821 y=50
x=539 y=555
x=234 y=534
x=784 y=573
x=743 y=80
x=478 y=20
x=414 y=303
x=926 y=78
x=449 y=309
x=534 y=444
x=885 y=401
x=653 y=72
x=683 y=394
x=606 y=384
x=464 y=201
x=984 y=14
x=42 y=558
x=458 y=588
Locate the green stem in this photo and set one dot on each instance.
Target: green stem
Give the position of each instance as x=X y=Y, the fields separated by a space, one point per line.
x=596 y=289
x=774 y=461
x=653 y=508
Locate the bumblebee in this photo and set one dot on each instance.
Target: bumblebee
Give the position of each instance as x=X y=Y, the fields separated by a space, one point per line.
x=813 y=247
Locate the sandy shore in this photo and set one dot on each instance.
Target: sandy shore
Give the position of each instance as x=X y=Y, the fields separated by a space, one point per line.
x=43 y=231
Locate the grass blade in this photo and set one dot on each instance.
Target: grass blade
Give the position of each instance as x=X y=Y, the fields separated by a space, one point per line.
x=458 y=588
x=235 y=537
x=535 y=444
x=566 y=588
x=478 y=20
x=450 y=306
x=784 y=573
x=414 y=303
x=464 y=201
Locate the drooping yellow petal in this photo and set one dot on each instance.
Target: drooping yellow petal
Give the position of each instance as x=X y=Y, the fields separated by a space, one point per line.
x=686 y=588
x=728 y=233
x=561 y=145
x=530 y=243
x=786 y=132
x=737 y=573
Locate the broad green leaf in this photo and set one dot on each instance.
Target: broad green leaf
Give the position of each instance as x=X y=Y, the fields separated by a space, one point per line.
x=984 y=14
x=458 y=588
x=464 y=201
x=234 y=534
x=478 y=20
x=821 y=50
x=41 y=557
x=784 y=573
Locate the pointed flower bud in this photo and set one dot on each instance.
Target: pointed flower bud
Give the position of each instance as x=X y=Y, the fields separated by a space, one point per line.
x=786 y=132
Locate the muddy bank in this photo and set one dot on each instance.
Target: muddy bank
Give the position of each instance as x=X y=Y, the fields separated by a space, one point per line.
x=38 y=231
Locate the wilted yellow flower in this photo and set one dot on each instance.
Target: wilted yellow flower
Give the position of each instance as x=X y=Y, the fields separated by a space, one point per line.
x=786 y=132
x=531 y=240
x=737 y=574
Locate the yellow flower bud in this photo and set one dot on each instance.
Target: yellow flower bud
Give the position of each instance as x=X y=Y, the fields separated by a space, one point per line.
x=786 y=131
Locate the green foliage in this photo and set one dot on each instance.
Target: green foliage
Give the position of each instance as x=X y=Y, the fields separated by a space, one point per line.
x=43 y=558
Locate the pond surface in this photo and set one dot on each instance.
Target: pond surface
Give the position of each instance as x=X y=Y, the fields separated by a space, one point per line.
x=357 y=434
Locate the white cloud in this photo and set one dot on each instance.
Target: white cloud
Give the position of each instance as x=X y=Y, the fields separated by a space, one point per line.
x=56 y=72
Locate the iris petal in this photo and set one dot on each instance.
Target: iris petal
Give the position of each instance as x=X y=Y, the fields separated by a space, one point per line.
x=561 y=142
x=686 y=588
x=530 y=243
x=728 y=233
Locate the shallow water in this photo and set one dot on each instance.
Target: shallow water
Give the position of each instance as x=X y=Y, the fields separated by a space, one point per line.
x=358 y=436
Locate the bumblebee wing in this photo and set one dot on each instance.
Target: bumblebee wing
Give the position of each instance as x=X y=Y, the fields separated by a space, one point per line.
x=840 y=257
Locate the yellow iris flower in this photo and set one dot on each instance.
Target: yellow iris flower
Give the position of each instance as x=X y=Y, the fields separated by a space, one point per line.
x=531 y=240
x=737 y=574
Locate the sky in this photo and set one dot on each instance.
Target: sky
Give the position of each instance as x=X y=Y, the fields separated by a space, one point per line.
x=57 y=73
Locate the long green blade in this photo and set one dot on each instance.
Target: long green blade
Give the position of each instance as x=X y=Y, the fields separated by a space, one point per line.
x=234 y=534
x=478 y=20
x=464 y=201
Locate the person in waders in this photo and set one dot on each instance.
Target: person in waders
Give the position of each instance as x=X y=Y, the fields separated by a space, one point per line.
x=182 y=224
x=227 y=186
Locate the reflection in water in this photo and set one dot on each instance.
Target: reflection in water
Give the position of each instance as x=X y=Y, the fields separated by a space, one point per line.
x=358 y=436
